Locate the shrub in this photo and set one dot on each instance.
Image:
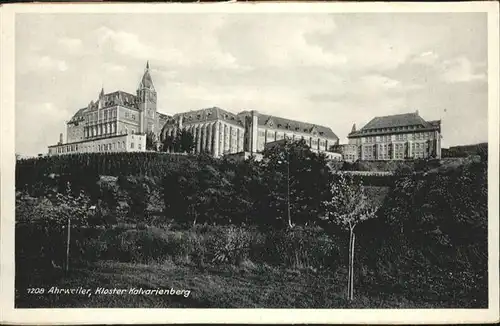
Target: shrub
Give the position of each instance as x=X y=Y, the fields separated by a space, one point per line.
x=228 y=245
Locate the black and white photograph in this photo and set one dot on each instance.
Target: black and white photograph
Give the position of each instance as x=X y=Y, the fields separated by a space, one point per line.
x=292 y=159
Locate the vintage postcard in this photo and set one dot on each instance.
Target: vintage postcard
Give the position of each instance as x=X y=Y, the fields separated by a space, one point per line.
x=322 y=163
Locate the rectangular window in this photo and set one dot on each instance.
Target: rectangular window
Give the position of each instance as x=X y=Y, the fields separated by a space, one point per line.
x=131 y=145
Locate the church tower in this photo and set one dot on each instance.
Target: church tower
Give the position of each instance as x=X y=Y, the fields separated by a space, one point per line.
x=146 y=97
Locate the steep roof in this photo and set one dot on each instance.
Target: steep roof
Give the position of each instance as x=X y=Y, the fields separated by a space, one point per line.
x=207 y=115
x=435 y=123
x=120 y=98
x=115 y=98
x=397 y=120
x=78 y=116
x=163 y=115
x=215 y=113
x=291 y=125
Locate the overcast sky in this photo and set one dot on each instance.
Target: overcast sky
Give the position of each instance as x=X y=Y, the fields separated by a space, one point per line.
x=328 y=69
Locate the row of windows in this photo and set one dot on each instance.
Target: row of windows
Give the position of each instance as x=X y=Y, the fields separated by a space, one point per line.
x=402 y=128
x=396 y=146
x=416 y=136
x=67 y=149
x=274 y=135
x=418 y=146
x=399 y=147
x=91 y=148
x=384 y=156
x=105 y=130
x=399 y=137
x=100 y=130
x=102 y=114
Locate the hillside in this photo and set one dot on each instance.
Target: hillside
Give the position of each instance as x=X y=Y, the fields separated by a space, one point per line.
x=465 y=150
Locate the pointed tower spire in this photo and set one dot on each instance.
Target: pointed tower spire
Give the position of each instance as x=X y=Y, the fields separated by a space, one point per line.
x=101 y=94
x=353 y=128
x=146 y=81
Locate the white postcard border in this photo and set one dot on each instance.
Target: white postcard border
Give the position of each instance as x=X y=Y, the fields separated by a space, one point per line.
x=129 y=316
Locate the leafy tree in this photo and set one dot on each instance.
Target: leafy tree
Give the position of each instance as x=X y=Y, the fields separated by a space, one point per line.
x=186 y=141
x=168 y=143
x=298 y=180
x=182 y=142
x=72 y=211
x=347 y=207
x=151 y=141
x=138 y=194
x=180 y=186
x=214 y=195
x=437 y=235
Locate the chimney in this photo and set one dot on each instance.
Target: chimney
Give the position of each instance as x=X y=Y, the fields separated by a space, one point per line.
x=60 y=138
x=416 y=112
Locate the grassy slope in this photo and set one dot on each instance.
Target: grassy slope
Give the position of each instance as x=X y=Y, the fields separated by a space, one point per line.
x=247 y=286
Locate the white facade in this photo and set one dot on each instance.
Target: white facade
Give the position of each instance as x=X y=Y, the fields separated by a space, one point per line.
x=120 y=143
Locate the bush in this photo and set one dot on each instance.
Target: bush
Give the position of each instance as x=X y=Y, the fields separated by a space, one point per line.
x=228 y=245
x=434 y=245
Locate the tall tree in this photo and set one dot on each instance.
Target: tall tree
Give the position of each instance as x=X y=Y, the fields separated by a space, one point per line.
x=347 y=207
x=298 y=179
x=168 y=143
x=151 y=141
x=186 y=141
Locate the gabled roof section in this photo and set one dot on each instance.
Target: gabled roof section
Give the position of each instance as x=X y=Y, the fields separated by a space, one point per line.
x=78 y=116
x=435 y=123
x=115 y=98
x=384 y=124
x=208 y=115
x=294 y=126
x=269 y=122
x=120 y=98
x=163 y=116
x=397 y=120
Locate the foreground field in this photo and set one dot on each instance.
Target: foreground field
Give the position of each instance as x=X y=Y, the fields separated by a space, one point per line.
x=220 y=230
x=245 y=286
